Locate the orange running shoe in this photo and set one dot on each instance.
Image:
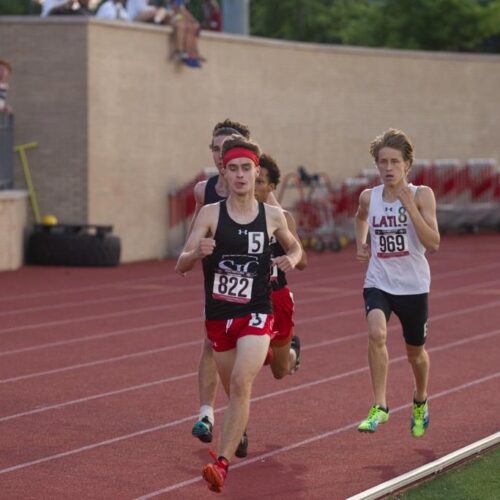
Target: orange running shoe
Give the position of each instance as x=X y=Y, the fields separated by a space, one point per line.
x=215 y=474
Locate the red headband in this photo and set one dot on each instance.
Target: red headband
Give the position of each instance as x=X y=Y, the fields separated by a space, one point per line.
x=240 y=153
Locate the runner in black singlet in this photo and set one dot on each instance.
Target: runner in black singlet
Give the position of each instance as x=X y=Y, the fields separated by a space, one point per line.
x=236 y=235
x=209 y=191
x=285 y=345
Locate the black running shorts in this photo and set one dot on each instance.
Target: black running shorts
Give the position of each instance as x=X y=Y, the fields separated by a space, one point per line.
x=412 y=311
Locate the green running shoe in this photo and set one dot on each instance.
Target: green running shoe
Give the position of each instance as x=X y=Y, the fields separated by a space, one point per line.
x=376 y=416
x=203 y=430
x=419 y=419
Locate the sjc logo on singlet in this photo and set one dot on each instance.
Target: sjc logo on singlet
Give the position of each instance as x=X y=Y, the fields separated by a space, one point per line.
x=245 y=265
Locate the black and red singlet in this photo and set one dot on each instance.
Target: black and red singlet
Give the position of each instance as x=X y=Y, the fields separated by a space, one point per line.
x=237 y=274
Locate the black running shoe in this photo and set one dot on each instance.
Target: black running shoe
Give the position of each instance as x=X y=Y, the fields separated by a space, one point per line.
x=295 y=345
x=203 y=430
x=242 y=450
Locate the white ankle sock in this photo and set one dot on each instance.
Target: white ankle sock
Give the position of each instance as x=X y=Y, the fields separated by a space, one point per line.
x=207 y=411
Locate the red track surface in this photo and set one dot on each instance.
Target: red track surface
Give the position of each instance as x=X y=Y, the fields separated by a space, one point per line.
x=98 y=383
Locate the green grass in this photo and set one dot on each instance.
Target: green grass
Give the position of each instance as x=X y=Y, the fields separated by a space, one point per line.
x=478 y=479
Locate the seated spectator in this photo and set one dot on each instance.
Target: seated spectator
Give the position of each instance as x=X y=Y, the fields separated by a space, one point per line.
x=49 y=5
x=113 y=10
x=66 y=8
x=188 y=41
x=212 y=15
x=143 y=11
x=175 y=14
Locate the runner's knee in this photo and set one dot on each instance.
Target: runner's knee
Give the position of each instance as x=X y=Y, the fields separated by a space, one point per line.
x=377 y=336
x=241 y=385
x=416 y=354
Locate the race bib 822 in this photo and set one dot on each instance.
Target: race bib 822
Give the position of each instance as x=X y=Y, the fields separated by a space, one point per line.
x=232 y=288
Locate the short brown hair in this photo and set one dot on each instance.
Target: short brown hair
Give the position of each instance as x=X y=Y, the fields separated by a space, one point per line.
x=228 y=127
x=273 y=172
x=237 y=141
x=396 y=139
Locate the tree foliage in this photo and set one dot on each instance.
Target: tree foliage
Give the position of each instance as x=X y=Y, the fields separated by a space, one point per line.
x=456 y=25
x=18 y=7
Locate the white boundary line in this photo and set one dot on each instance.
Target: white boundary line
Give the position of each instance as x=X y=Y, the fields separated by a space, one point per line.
x=426 y=470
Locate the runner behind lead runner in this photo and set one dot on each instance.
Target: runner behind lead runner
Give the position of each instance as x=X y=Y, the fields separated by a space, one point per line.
x=285 y=345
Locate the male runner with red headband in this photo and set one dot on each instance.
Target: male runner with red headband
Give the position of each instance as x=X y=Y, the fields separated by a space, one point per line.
x=205 y=192
x=235 y=235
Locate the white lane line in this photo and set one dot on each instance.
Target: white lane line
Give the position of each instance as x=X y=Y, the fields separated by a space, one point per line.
x=198 y=287
x=88 y=338
x=140 y=310
x=120 y=285
x=314 y=439
x=146 y=385
x=155 y=326
x=258 y=398
x=194 y=342
x=301 y=302
x=427 y=470
x=100 y=362
x=92 y=317
x=161 y=281
x=89 y=302
x=90 y=288
x=179 y=377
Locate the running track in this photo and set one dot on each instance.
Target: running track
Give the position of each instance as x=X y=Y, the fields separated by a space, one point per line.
x=98 y=384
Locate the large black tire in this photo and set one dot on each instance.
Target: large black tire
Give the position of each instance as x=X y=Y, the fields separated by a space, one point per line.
x=72 y=246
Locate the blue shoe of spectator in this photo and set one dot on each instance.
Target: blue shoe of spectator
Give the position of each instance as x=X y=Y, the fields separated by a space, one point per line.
x=192 y=62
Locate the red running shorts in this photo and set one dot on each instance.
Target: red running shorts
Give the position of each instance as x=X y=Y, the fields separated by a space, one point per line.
x=224 y=333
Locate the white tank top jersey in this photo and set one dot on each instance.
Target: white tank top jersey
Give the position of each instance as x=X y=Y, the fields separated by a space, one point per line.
x=397 y=264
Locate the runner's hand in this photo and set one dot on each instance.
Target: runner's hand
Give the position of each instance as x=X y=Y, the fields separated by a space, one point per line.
x=284 y=263
x=406 y=197
x=206 y=247
x=363 y=253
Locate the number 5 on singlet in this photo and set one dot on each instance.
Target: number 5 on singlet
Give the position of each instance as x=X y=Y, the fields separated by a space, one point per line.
x=255 y=242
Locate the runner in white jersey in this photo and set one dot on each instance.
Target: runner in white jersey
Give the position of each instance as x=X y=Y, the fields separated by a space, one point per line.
x=401 y=221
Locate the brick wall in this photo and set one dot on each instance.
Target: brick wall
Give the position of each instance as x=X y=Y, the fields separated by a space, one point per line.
x=120 y=125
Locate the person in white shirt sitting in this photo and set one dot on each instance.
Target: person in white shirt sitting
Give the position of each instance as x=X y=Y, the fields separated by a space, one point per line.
x=113 y=10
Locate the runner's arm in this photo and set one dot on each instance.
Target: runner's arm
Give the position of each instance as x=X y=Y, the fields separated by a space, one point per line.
x=422 y=210
x=286 y=239
x=290 y=221
x=198 y=245
x=199 y=198
x=361 y=226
